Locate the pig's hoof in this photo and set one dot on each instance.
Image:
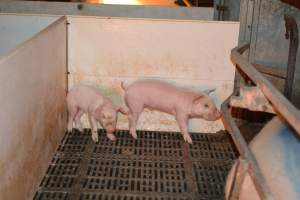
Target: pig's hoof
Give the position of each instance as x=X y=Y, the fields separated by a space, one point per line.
x=69 y=129
x=188 y=138
x=134 y=135
x=95 y=137
x=112 y=137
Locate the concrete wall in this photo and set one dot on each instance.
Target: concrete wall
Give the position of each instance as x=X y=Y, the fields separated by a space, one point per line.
x=33 y=114
x=104 y=52
x=263 y=26
x=132 y=11
x=15 y=29
x=135 y=2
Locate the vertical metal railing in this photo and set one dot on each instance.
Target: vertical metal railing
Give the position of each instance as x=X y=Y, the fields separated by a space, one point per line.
x=247 y=162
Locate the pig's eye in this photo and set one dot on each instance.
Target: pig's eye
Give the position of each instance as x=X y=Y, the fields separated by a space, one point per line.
x=206 y=105
x=103 y=116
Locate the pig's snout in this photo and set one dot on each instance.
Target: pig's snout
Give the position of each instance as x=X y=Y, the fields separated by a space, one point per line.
x=110 y=129
x=219 y=114
x=214 y=116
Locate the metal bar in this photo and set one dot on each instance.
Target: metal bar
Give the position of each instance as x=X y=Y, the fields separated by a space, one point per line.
x=239 y=176
x=254 y=26
x=187 y=3
x=272 y=71
x=246 y=153
x=243 y=48
x=234 y=179
x=249 y=28
x=279 y=102
x=67 y=56
x=292 y=34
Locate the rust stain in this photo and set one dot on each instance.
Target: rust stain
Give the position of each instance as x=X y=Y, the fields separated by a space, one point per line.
x=23 y=167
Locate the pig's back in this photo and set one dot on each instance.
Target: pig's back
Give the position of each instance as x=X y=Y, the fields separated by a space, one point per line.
x=155 y=94
x=85 y=96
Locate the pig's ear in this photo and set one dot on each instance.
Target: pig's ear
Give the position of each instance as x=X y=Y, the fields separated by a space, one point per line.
x=123 y=110
x=208 y=91
x=198 y=99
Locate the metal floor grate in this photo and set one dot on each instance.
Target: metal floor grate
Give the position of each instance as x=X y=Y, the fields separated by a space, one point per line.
x=157 y=166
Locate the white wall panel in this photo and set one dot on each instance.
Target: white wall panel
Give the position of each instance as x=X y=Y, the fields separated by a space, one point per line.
x=104 y=52
x=33 y=110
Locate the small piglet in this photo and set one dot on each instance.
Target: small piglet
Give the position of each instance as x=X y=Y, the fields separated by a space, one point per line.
x=161 y=96
x=86 y=99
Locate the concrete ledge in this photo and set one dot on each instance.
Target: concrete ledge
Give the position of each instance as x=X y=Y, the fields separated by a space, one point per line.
x=84 y=9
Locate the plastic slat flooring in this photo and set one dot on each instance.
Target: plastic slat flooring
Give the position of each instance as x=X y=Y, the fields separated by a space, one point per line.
x=156 y=166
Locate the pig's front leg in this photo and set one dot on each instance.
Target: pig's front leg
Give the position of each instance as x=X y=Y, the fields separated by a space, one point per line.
x=70 y=124
x=72 y=111
x=182 y=121
x=77 y=120
x=93 y=123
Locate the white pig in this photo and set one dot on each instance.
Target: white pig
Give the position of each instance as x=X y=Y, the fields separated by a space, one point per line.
x=86 y=99
x=164 y=97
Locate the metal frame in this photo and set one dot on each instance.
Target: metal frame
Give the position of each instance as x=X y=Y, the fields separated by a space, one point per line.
x=282 y=106
x=249 y=163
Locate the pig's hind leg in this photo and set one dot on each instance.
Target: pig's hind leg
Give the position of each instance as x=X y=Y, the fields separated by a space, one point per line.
x=133 y=118
x=93 y=124
x=72 y=111
x=134 y=110
x=77 y=119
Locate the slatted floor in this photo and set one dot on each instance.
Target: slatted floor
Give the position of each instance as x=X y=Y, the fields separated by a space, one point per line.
x=157 y=166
